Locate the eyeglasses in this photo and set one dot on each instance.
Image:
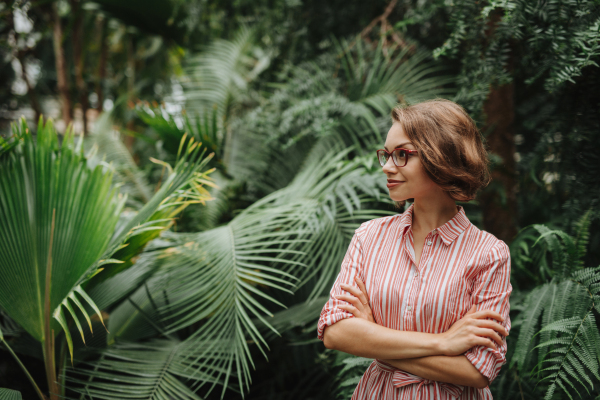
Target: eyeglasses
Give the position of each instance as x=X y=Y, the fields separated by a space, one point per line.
x=399 y=156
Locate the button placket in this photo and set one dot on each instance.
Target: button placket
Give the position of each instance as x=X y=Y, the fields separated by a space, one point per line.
x=416 y=280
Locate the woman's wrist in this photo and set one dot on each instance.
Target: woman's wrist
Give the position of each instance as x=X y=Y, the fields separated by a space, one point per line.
x=438 y=344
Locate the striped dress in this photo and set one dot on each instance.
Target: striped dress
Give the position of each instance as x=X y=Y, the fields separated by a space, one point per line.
x=460 y=266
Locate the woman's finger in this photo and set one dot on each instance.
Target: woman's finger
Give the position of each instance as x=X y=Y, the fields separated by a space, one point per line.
x=486 y=323
x=350 y=299
x=362 y=287
x=490 y=333
x=472 y=309
x=481 y=341
x=351 y=309
x=356 y=292
x=481 y=314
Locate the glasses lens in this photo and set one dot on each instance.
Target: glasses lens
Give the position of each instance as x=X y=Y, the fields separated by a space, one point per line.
x=399 y=156
x=382 y=157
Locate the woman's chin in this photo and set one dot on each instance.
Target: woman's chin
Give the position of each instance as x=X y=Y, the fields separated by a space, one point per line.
x=399 y=198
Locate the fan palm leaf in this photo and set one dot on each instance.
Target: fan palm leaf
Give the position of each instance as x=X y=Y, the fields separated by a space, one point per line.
x=48 y=194
x=112 y=150
x=381 y=78
x=8 y=394
x=220 y=74
x=224 y=282
x=156 y=370
x=59 y=225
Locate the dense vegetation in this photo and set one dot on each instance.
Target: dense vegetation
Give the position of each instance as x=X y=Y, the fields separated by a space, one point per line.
x=197 y=225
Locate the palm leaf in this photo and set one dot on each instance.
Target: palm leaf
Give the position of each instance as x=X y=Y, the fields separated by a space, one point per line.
x=220 y=74
x=48 y=194
x=7 y=394
x=381 y=78
x=39 y=179
x=224 y=280
x=157 y=370
x=111 y=149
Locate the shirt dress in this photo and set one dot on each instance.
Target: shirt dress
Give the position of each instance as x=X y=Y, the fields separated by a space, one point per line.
x=460 y=265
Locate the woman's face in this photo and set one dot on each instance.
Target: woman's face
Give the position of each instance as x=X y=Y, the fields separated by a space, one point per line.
x=410 y=181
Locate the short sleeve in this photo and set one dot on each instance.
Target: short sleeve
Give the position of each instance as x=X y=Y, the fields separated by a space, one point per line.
x=351 y=265
x=491 y=291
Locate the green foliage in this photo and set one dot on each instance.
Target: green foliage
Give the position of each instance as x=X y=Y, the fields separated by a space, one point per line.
x=220 y=75
x=558 y=333
x=45 y=189
x=59 y=219
x=153 y=370
x=554 y=41
x=7 y=394
x=293 y=137
x=345 y=94
x=351 y=370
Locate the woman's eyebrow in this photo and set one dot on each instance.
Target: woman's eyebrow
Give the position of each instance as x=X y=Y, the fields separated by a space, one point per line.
x=400 y=145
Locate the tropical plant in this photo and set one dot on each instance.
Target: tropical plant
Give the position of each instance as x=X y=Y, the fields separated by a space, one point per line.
x=559 y=337
x=187 y=310
x=62 y=223
x=7 y=394
x=223 y=283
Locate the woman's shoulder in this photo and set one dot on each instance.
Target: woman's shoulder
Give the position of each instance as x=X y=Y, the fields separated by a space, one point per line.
x=380 y=224
x=492 y=248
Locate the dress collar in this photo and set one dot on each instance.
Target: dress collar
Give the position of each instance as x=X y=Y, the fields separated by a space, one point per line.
x=448 y=232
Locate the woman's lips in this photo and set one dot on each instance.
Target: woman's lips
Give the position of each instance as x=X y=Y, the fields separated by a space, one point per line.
x=392 y=183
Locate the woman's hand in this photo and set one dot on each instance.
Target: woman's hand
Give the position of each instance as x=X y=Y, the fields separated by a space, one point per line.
x=360 y=307
x=473 y=330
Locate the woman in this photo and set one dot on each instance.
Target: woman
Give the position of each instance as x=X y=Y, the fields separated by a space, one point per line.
x=425 y=293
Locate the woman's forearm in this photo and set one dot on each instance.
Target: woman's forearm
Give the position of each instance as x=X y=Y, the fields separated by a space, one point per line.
x=367 y=339
x=449 y=369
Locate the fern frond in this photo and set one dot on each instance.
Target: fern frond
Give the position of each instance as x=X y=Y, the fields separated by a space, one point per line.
x=529 y=319
x=578 y=342
x=582 y=234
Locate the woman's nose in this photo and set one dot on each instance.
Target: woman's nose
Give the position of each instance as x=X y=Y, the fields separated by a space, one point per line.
x=390 y=167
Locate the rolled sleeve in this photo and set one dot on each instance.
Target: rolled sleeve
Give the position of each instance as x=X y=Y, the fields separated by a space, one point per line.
x=492 y=290
x=351 y=266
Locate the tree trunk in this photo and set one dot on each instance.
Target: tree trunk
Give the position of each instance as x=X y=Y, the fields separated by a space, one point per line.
x=499 y=200
x=61 y=66
x=129 y=139
x=101 y=72
x=78 y=59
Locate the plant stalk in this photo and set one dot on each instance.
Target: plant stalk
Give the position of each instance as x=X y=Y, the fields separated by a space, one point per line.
x=48 y=343
x=37 y=389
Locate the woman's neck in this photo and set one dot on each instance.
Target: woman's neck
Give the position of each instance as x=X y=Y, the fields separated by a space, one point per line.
x=432 y=212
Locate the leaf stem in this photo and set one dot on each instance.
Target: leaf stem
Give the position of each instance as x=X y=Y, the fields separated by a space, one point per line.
x=37 y=389
x=48 y=342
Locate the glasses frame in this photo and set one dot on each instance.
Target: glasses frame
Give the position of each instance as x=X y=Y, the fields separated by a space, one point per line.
x=408 y=152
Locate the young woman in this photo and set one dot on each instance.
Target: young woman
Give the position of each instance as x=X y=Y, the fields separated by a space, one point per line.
x=425 y=293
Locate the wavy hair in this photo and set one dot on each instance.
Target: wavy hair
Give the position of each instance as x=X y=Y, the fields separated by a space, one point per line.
x=450 y=145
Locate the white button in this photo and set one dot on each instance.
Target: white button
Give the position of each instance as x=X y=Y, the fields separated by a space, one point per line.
x=416 y=274
x=429 y=243
x=408 y=308
x=434 y=231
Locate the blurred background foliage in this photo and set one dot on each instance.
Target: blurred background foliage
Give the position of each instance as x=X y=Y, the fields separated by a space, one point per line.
x=220 y=298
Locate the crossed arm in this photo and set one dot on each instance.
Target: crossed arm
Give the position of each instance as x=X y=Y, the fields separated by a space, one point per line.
x=408 y=351
x=436 y=357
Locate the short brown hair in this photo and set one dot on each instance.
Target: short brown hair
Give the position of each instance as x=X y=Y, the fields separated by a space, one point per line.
x=449 y=143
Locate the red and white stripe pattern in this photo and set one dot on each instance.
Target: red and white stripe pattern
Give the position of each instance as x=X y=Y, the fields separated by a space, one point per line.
x=460 y=265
